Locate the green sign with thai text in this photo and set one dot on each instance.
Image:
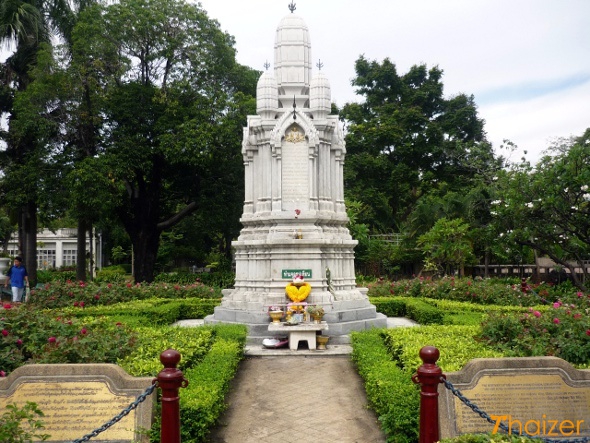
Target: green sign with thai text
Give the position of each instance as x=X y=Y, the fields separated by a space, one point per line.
x=290 y=273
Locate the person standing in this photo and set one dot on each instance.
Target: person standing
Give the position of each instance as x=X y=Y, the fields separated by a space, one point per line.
x=17 y=277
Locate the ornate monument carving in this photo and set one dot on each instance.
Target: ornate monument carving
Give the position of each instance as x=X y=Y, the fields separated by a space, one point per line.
x=294 y=215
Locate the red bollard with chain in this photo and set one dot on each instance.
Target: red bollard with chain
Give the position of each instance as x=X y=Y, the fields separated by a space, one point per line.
x=170 y=380
x=428 y=376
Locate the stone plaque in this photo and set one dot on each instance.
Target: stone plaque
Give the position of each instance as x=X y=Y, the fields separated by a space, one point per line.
x=295 y=175
x=540 y=396
x=77 y=399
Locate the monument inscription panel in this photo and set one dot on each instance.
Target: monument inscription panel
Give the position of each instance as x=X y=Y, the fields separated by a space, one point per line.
x=77 y=399
x=543 y=397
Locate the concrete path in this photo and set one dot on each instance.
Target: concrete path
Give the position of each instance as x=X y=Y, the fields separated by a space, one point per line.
x=284 y=396
x=297 y=399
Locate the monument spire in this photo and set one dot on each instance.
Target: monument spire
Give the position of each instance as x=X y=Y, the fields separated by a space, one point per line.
x=292 y=7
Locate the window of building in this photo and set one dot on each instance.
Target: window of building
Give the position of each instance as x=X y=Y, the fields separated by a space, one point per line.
x=69 y=257
x=46 y=258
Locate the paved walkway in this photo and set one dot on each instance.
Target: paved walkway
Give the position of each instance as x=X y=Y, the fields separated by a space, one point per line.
x=297 y=400
x=283 y=396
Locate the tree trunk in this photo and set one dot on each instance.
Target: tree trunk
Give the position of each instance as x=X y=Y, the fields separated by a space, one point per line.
x=28 y=240
x=81 y=250
x=145 y=252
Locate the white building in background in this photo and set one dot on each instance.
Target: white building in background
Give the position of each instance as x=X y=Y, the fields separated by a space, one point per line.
x=59 y=248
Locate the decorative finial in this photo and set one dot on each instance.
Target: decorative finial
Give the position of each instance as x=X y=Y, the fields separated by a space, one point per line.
x=292 y=7
x=319 y=64
x=266 y=65
x=294 y=106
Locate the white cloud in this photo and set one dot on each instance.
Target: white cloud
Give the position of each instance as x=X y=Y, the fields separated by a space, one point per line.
x=520 y=58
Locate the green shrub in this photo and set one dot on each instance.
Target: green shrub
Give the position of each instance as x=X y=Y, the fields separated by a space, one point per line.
x=20 y=425
x=202 y=402
x=70 y=293
x=32 y=336
x=562 y=331
x=390 y=391
x=489 y=438
x=111 y=274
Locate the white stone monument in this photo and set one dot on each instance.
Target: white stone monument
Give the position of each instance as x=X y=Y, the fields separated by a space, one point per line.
x=294 y=219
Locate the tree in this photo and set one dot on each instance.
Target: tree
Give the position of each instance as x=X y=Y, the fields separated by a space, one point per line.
x=414 y=156
x=547 y=208
x=406 y=141
x=170 y=79
x=447 y=245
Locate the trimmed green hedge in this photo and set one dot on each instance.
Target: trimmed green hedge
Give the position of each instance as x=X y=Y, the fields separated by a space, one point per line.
x=210 y=358
x=386 y=360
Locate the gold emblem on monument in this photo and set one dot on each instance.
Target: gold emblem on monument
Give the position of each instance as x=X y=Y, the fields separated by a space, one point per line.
x=294 y=136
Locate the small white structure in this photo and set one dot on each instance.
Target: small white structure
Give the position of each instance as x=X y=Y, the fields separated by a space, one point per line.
x=294 y=218
x=59 y=248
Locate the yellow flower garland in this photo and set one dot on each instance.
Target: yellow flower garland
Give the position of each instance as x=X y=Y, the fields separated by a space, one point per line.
x=298 y=292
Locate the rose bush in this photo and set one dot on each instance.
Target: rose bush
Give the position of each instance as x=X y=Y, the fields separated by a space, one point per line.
x=80 y=294
x=33 y=336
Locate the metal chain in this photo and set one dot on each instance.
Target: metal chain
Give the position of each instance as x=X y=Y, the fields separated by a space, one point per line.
x=502 y=426
x=140 y=398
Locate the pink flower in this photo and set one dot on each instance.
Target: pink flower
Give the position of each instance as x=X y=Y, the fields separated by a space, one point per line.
x=4 y=332
x=536 y=314
x=51 y=339
x=556 y=321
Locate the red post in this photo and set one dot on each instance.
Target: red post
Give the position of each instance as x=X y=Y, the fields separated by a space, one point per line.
x=428 y=376
x=170 y=380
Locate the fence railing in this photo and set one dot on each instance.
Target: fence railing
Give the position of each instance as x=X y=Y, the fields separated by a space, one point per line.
x=429 y=376
x=169 y=380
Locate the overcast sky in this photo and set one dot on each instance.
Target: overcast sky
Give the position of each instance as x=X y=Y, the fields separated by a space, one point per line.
x=527 y=62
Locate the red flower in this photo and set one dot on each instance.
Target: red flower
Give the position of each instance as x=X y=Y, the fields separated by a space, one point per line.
x=4 y=332
x=51 y=340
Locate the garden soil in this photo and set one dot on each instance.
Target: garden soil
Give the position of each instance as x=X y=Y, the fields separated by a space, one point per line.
x=319 y=399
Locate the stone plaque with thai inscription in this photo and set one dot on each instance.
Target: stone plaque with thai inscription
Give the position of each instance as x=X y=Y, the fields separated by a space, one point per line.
x=77 y=399
x=539 y=396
